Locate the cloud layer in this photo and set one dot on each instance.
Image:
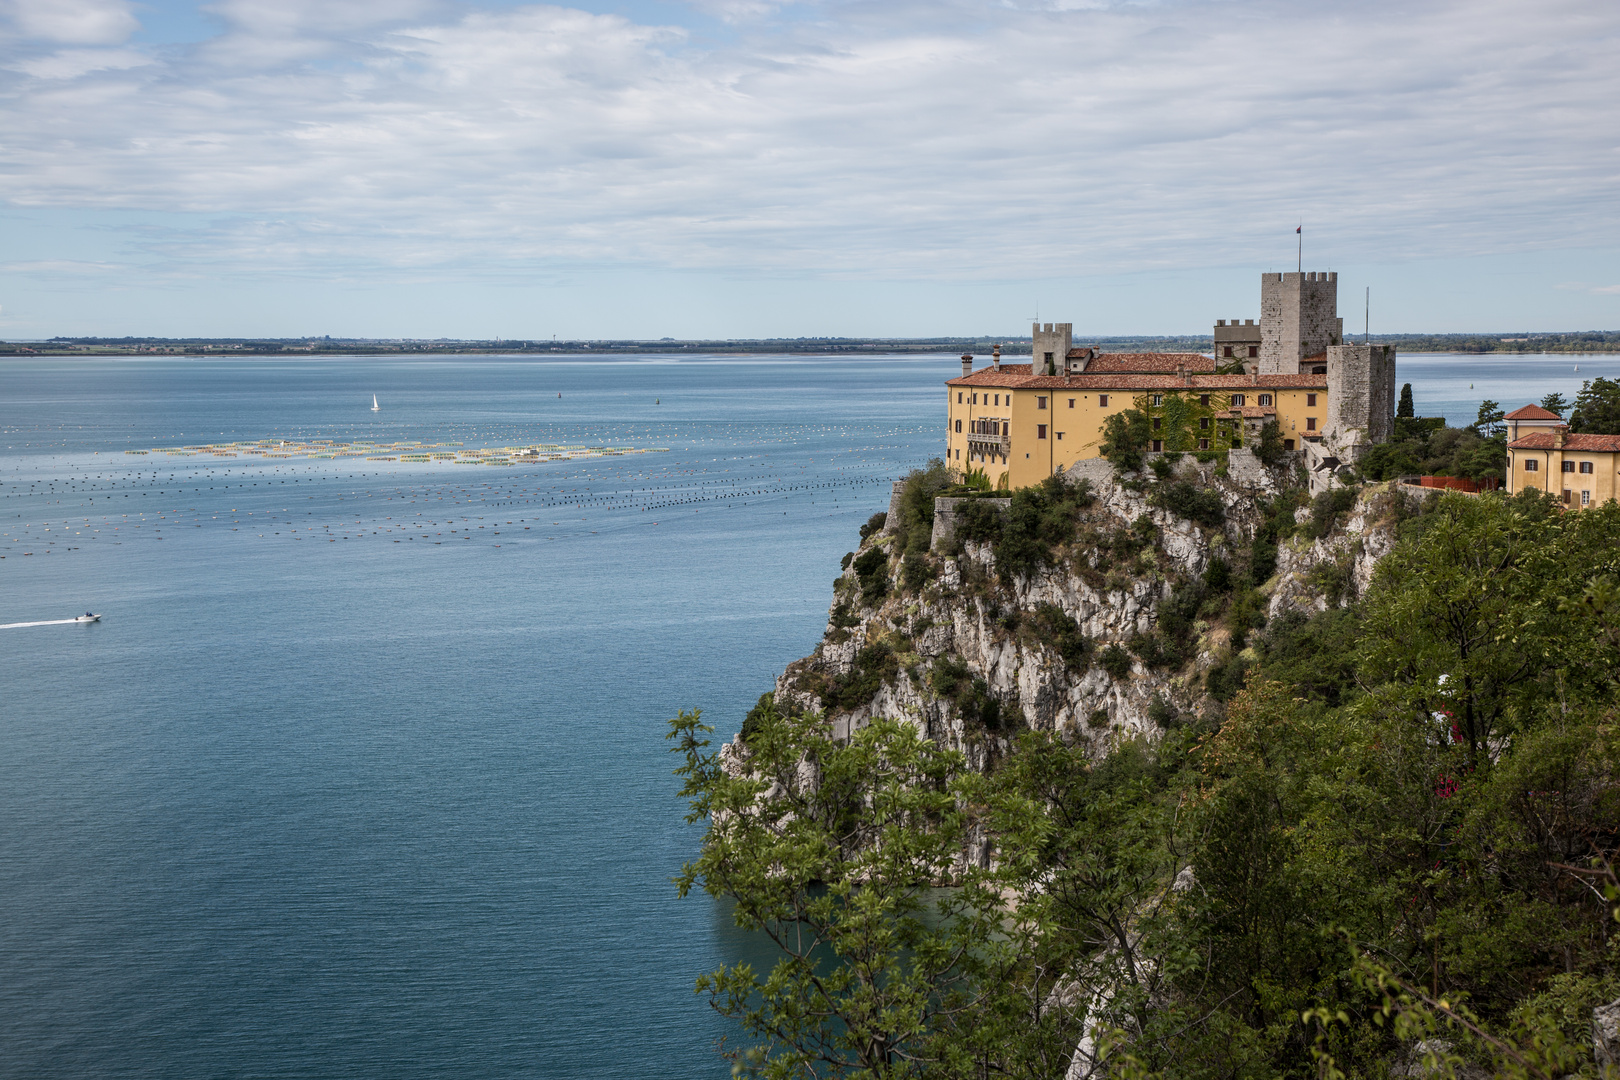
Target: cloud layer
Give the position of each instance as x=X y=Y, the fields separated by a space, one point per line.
x=949 y=141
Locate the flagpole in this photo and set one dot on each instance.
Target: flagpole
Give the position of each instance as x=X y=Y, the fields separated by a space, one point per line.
x=1300 y=232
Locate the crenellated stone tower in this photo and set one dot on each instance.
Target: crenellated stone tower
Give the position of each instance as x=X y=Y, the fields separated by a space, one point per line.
x=1298 y=320
x=1049 y=348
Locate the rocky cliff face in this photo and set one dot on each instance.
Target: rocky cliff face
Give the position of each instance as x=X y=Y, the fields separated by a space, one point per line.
x=975 y=654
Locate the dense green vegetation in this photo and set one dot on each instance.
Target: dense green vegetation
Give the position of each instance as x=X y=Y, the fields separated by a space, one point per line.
x=1597 y=408
x=1396 y=826
x=1425 y=446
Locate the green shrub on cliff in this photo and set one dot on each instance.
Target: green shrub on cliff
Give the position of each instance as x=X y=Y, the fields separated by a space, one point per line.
x=1041 y=518
x=872 y=571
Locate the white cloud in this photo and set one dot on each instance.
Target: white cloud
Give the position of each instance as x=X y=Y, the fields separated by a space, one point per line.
x=72 y=22
x=71 y=63
x=900 y=139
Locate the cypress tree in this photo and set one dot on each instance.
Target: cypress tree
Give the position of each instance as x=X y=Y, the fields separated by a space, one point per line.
x=1405 y=407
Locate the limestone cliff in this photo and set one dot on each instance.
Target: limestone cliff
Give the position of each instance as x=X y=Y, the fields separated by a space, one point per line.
x=974 y=654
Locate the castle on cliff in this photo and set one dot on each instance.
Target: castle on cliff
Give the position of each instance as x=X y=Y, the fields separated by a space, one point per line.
x=1330 y=399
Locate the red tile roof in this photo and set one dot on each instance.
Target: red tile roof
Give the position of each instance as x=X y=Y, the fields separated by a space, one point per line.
x=1018 y=377
x=1532 y=412
x=1151 y=363
x=1587 y=444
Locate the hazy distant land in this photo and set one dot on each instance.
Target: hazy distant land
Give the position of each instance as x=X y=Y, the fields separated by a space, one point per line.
x=1591 y=341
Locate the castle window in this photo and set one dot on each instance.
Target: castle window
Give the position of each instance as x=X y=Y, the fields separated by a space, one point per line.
x=1310 y=423
x=1071 y=403
x=1288 y=444
x=1203 y=400
x=1530 y=465
x=1203 y=444
x=1265 y=399
x=1237 y=400
x=1586 y=498
x=1227 y=352
x=1586 y=466
x=959 y=427
x=1059 y=435
x=1158 y=445
x=1320 y=369
x=1040 y=431
x=1566 y=496
x=998 y=399
x=1254 y=350
x=1569 y=466
x=1203 y=423
x=1310 y=401
x=975 y=399
x=1102 y=400
x=959 y=397
x=1158 y=399
x=1156 y=423
x=1048 y=357
x=1040 y=403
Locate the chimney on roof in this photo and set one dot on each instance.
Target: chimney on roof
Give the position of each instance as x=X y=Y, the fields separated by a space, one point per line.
x=1254 y=377
x=967 y=364
x=995 y=358
x=1563 y=434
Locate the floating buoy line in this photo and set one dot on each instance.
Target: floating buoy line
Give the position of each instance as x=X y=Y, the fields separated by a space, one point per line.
x=411 y=452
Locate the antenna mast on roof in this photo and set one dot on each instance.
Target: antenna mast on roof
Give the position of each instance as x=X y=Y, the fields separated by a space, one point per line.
x=1366 y=314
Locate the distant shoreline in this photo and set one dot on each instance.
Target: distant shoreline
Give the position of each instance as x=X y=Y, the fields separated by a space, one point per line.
x=1589 y=343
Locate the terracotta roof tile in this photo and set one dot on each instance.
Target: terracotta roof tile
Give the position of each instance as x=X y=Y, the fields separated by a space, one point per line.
x=1532 y=412
x=1587 y=444
x=1149 y=363
x=1018 y=377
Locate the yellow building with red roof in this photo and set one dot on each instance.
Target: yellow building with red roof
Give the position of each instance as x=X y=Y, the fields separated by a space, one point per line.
x=1543 y=455
x=1020 y=423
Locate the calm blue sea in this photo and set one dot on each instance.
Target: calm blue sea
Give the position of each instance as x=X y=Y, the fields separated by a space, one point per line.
x=363 y=773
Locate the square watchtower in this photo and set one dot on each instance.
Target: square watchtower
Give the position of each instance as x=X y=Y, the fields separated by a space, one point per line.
x=1049 y=347
x=1298 y=319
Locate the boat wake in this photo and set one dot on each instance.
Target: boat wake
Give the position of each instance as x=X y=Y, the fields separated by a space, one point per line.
x=47 y=622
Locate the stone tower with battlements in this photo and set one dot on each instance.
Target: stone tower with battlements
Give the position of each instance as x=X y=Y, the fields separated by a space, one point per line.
x=1298 y=319
x=1049 y=347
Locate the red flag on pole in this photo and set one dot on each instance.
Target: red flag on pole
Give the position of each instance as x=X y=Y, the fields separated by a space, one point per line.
x=1299 y=228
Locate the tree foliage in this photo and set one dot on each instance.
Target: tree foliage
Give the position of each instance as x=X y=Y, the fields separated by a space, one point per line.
x=1597 y=408
x=1125 y=437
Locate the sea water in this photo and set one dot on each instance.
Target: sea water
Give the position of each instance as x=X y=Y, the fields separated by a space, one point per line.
x=363 y=771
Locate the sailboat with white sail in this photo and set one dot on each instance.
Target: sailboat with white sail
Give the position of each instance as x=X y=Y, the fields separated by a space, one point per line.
x=374 y=406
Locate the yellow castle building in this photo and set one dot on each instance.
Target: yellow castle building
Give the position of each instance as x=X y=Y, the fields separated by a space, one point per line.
x=1020 y=423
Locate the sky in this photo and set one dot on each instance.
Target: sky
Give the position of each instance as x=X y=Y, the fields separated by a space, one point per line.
x=762 y=168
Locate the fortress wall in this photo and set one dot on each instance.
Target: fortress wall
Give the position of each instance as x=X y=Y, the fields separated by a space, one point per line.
x=1361 y=392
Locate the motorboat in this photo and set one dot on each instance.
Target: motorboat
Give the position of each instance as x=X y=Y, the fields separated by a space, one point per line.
x=87 y=618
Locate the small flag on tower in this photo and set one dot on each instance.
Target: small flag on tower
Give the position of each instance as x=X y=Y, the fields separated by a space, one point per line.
x=1299 y=229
